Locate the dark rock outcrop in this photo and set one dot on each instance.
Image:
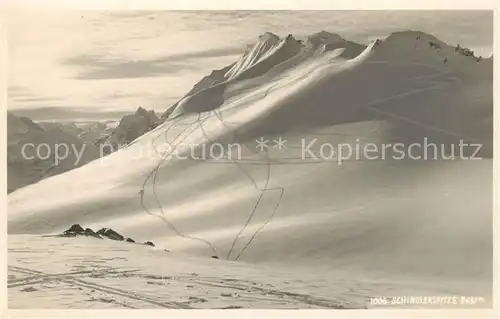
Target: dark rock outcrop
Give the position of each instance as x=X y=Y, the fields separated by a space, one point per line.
x=69 y=234
x=73 y=231
x=90 y=232
x=110 y=233
x=130 y=127
x=434 y=45
x=76 y=228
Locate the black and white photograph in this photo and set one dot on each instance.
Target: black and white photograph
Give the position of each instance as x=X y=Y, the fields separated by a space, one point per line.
x=250 y=159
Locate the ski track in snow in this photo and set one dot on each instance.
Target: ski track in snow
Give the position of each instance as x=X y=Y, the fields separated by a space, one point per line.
x=300 y=75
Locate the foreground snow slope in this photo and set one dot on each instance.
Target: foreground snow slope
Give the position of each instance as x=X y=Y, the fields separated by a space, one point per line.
x=384 y=220
x=88 y=273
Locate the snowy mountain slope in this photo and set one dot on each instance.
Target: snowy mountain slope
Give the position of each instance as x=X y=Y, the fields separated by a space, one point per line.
x=402 y=221
x=17 y=126
x=69 y=127
x=85 y=142
x=24 y=136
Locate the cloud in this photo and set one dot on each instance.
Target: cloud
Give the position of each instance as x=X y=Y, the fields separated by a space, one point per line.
x=33 y=99
x=101 y=68
x=17 y=93
x=67 y=112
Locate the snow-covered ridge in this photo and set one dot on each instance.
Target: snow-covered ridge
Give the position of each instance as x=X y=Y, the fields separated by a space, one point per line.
x=271 y=57
x=264 y=55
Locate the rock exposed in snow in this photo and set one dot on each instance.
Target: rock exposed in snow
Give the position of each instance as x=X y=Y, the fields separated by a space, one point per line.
x=110 y=233
x=77 y=230
x=130 y=127
x=90 y=232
